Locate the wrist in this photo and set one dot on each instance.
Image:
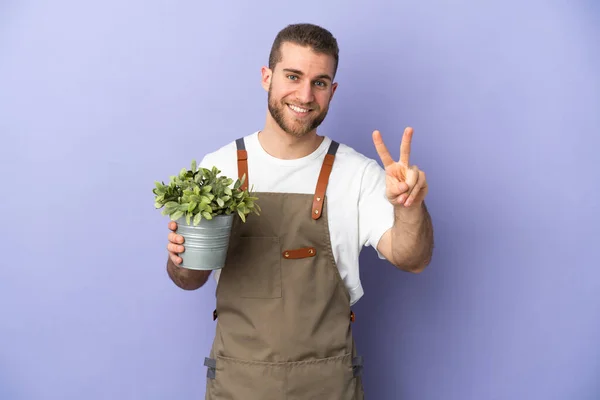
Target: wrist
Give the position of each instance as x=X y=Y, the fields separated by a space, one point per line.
x=414 y=213
x=185 y=278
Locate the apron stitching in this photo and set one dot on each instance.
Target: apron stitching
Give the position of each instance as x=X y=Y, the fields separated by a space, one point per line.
x=285 y=363
x=329 y=249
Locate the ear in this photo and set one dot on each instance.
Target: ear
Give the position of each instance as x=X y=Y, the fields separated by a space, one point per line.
x=266 y=75
x=333 y=89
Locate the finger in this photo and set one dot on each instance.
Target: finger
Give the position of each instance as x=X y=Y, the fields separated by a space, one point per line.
x=412 y=178
x=173 y=225
x=382 y=150
x=175 y=238
x=417 y=190
x=405 y=146
x=175 y=248
x=176 y=259
x=413 y=195
x=395 y=187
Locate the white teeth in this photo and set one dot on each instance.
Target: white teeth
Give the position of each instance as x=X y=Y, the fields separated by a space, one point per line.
x=298 y=109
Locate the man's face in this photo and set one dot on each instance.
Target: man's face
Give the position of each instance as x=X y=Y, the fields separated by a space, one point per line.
x=300 y=88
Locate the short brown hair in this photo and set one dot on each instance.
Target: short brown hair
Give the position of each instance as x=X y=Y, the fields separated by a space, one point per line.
x=313 y=36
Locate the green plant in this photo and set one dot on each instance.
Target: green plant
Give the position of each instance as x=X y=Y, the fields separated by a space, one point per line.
x=202 y=193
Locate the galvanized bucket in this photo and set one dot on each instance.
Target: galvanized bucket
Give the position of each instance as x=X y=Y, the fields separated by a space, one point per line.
x=205 y=244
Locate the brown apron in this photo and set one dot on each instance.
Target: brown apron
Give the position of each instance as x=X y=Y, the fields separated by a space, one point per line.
x=284 y=317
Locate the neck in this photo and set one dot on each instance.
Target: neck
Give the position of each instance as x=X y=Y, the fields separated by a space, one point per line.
x=280 y=144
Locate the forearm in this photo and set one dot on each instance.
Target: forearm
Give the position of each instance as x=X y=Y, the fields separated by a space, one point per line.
x=185 y=278
x=412 y=238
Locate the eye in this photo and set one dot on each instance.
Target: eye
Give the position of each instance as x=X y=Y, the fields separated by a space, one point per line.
x=320 y=83
x=292 y=77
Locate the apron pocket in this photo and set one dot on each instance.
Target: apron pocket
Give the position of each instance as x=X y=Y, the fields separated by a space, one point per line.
x=245 y=380
x=329 y=378
x=254 y=267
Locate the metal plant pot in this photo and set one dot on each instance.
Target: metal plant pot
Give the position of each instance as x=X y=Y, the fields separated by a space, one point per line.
x=205 y=244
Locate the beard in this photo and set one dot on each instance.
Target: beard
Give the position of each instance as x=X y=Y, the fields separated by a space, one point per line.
x=291 y=125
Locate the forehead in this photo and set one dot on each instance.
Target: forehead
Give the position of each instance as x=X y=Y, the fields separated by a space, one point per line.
x=303 y=58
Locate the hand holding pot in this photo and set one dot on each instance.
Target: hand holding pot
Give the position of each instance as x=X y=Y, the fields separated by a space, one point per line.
x=175 y=245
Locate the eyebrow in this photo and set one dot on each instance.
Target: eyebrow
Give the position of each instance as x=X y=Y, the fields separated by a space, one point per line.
x=298 y=72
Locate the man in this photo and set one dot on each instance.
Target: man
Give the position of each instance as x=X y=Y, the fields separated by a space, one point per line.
x=284 y=296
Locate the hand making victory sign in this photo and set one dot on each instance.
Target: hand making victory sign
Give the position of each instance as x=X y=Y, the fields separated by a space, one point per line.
x=405 y=183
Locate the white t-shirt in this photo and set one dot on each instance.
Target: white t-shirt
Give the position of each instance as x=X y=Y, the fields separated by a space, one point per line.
x=358 y=211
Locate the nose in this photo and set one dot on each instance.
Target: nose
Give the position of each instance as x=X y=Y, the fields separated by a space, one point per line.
x=304 y=93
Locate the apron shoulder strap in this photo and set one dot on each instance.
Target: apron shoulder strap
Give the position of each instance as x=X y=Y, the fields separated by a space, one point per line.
x=317 y=208
x=242 y=161
x=321 y=188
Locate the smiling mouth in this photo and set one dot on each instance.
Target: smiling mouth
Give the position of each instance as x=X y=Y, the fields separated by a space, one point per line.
x=299 y=110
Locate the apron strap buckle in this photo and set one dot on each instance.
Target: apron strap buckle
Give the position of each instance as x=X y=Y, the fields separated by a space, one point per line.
x=242 y=162
x=322 y=182
x=357 y=365
x=212 y=367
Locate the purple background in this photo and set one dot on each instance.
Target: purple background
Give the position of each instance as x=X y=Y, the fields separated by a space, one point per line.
x=99 y=99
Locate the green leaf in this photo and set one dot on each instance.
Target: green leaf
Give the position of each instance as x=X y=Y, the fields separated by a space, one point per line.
x=171 y=207
x=197 y=219
x=176 y=215
x=192 y=206
x=194 y=166
x=205 y=200
x=187 y=218
x=227 y=191
x=206 y=215
x=242 y=216
x=220 y=202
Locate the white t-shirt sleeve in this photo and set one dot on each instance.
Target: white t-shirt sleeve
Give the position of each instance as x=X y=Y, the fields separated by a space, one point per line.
x=375 y=212
x=206 y=161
